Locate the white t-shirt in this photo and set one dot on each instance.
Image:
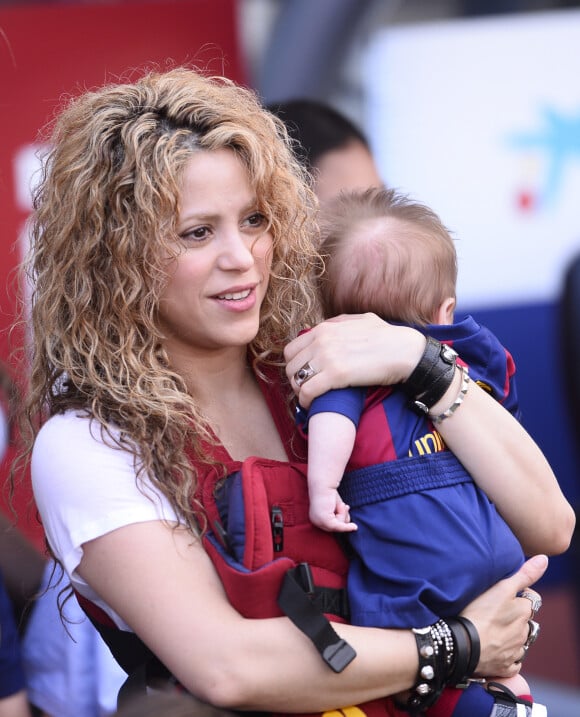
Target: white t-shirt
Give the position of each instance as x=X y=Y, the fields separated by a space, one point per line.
x=84 y=489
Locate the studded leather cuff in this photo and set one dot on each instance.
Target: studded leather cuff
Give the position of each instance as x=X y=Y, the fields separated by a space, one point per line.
x=435 y=647
x=432 y=376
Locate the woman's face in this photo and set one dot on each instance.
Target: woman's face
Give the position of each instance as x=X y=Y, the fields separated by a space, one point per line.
x=218 y=282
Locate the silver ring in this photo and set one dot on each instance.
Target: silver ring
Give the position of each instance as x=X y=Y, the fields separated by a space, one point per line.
x=523 y=657
x=534 y=598
x=304 y=374
x=533 y=632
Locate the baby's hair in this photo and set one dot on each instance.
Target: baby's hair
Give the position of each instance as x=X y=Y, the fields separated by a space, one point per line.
x=387 y=254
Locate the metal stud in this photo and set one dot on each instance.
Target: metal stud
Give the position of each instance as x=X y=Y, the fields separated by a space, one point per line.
x=427 y=672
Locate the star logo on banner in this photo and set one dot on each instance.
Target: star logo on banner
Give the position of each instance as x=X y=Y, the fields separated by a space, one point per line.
x=558 y=139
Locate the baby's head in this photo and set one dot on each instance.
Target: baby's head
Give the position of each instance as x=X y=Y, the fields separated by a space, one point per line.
x=387 y=254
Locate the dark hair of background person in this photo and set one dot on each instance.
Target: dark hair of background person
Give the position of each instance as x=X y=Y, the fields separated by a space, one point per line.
x=330 y=146
x=317 y=127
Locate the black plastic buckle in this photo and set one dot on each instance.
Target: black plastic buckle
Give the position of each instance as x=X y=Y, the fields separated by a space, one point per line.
x=223 y=537
x=303 y=574
x=296 y=600
x=277 y=520
x=338 y=655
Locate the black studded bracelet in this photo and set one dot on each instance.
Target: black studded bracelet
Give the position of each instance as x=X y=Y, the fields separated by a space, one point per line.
x=432 y=376
x=467 y=650
x=448 y=655
x=435 y=647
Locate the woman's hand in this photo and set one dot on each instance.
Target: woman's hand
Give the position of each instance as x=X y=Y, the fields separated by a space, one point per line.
x=353 y=350
x=501 y=619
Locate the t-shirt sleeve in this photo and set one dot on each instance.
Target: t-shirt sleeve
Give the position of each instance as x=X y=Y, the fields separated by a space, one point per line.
x=85 y=488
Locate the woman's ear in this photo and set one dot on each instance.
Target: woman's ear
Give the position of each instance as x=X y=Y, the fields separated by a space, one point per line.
x=445 y=312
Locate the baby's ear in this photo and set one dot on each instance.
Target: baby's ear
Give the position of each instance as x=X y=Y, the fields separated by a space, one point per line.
x=445 y=311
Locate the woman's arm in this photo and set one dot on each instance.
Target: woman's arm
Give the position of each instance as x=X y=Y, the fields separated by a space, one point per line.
x=500 y=455
x=15 y=705
x=162 y=583
x=510 y=468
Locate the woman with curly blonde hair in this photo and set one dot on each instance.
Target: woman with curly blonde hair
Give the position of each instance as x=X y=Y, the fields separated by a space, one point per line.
x=172 y=266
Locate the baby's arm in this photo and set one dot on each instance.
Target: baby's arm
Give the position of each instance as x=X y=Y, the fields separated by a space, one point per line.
x=330 y=442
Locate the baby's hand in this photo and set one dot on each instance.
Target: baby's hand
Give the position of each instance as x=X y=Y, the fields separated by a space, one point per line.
x=329 y=512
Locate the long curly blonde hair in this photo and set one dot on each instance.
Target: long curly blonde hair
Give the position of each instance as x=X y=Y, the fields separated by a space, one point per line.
x=103 y=228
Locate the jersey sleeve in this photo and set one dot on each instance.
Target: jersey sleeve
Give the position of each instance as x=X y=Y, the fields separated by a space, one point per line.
x=490 y=364
x=348 y=402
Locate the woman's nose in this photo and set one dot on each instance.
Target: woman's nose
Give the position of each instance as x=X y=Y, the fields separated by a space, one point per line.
x=236 y=251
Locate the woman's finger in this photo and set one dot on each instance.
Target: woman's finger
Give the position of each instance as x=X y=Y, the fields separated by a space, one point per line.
x=530 y=572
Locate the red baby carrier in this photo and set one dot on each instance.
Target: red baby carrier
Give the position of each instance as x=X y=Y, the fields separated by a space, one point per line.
x=272 y=562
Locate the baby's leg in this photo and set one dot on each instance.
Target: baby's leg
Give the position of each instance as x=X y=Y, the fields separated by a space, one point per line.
x=512 y=696
x=516 y=684
x=502 y=697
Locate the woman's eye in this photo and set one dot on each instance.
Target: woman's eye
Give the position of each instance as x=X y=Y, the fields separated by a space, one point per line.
x=197 y=234
x=256 y=219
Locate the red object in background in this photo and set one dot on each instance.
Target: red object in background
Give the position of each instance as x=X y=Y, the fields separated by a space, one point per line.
x=51 y=52
x=526 y=201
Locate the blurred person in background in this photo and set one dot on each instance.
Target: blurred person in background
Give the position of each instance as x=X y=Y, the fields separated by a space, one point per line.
x=70 y=671
x=20 y=562
x=330 y=145
x=13 y=698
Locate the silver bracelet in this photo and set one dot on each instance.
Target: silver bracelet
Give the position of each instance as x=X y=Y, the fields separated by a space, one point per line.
x=458 y=401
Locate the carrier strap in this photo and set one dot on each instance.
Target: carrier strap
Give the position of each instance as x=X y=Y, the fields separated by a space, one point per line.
x=393 y=479
x=295 y=601
x=132 y=654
